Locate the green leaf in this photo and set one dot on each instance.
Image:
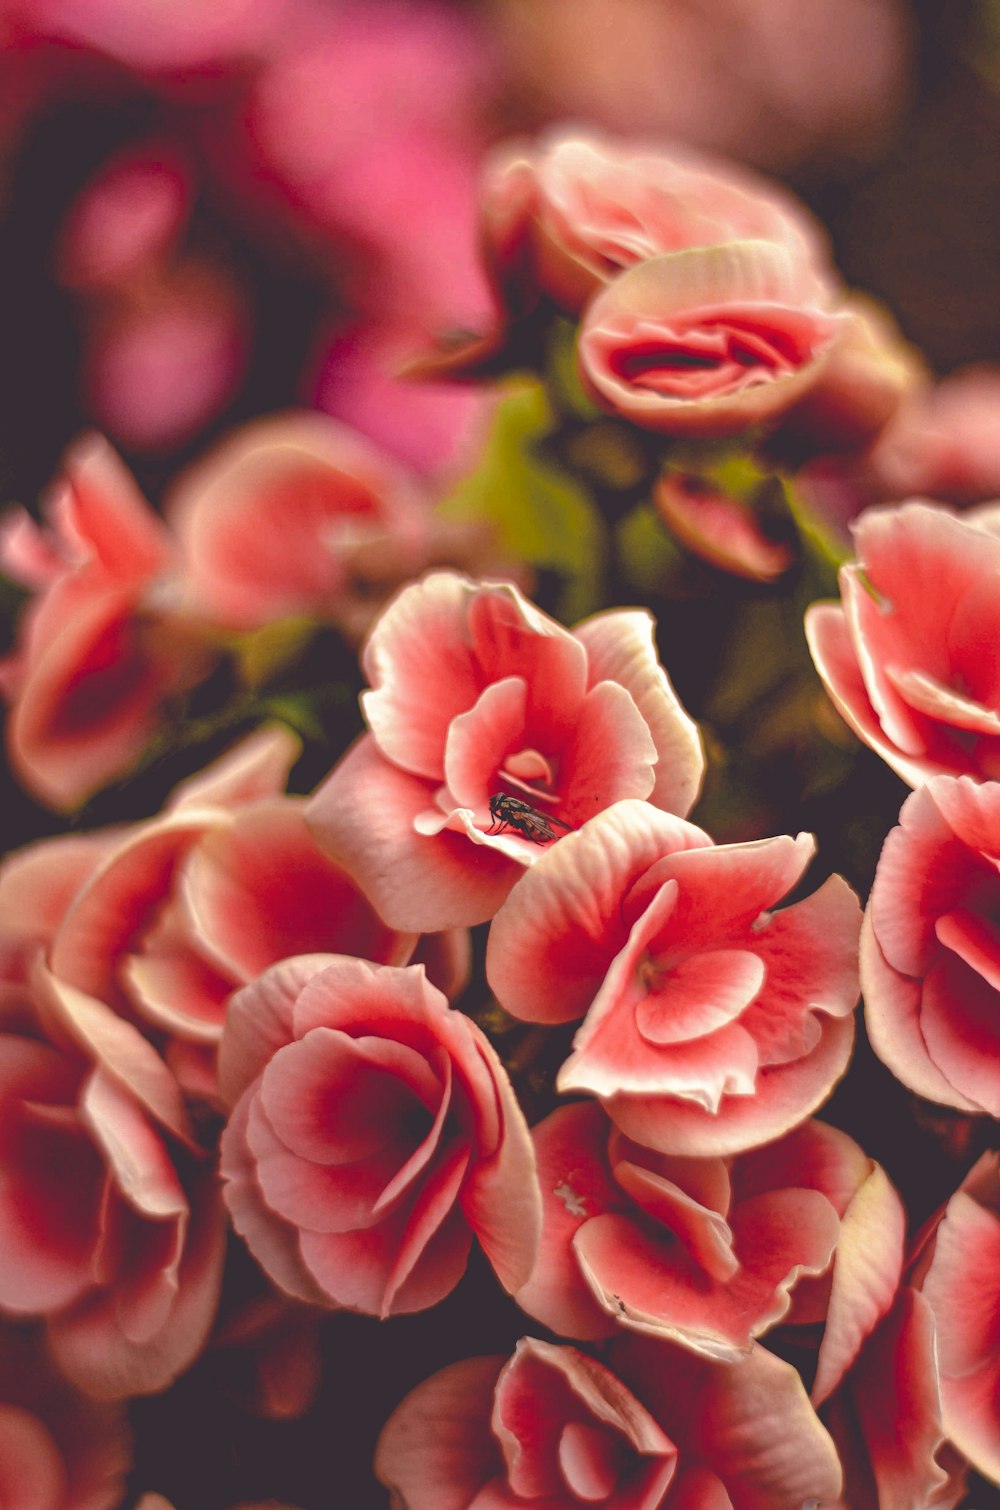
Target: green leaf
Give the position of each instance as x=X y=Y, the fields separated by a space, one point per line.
x=541 y=514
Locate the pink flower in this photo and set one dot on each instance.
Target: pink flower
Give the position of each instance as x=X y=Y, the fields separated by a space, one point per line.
x=554 y=1426
x=715 y=341
x=57 y=1449
x=566 y=217
x=706 y=1253
x=930 y=957
x=373 y=1134
x=477 y=695
x=713 y=1023
x=909 y=654
x=97 y=651
x=271 y=522
x=112 y=1227
x=165 y=919
x=959 y=1277
x=165 y=357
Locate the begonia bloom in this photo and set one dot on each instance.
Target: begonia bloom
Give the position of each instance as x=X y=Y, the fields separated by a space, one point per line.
x=930 y=956
x=959 y=1277
x=705 y=1253
x=97 y=654
x=112 y=1226
x=373 y=1134
x=909 y=655
x=58 y=1450
x=713 y=1022
x=477 y=695
x=554 y=1426
x=569 y=215
x=270 y=521
x=711 y=342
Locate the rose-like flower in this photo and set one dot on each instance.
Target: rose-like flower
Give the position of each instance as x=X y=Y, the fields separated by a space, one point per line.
x=165 y=919
x=271 y=521
x=909 y=654
x=930 y=956
x=713 y=1022
x=477 y=696
x=373 y=1134
x=720 y=340
x=565 y=217
x=707 y=1253
x=97 y=652
x=58 y=1450
x=959 y=1277
x=553 y=1426
x=111 y=1226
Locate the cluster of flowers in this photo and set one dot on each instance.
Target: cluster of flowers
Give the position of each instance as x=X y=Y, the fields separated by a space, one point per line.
x=258 y=986
x=282 y=140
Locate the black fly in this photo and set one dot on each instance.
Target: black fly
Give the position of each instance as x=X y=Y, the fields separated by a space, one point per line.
x=513 y=812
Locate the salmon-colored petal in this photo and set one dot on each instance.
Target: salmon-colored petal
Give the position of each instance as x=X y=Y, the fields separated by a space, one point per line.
x=116 y=1047
x=258 y=890
x=576 y=1186
x=436 y=1447
x=783 y=1095
x=121 y=900
x=501 y=1197
x=892 y=1018
x=609 y=756
x=257 y=767
x=752 y=1422
x=621 y=648
x=866 y=1276
x=810 y=957
x=553 y=939
x=260 y=1021
x=266 y=518
x=363 y=816
x=273 y=1242
x=104 y=1362
x=897 y=1404
x=98 y=501
x=960 y=1026
x=51 y=1179
x=90 y=701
